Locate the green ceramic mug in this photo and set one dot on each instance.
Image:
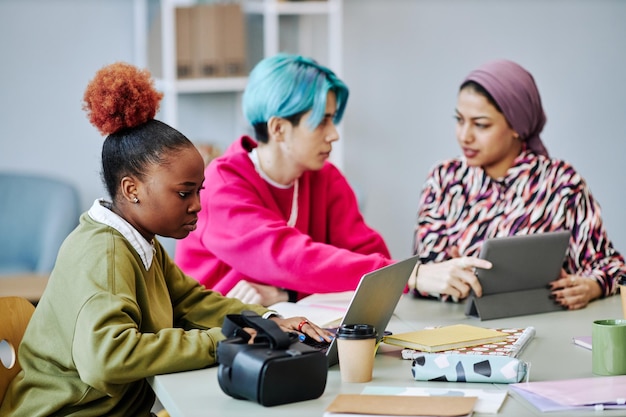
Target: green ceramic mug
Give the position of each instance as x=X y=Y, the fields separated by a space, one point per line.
x=608 y=340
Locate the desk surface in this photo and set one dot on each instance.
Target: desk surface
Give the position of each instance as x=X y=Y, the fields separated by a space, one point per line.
x=29 y=286
x=551 y=353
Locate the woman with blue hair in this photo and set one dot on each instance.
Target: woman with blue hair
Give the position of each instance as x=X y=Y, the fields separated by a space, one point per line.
x=279 y=221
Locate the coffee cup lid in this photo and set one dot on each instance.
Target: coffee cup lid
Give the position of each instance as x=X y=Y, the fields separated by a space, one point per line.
x=622 y=280
x=356 y=331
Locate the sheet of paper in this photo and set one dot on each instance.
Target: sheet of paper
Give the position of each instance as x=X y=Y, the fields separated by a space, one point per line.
x=324 y=315
x=582 y=341
x=331 y=414
x=579 y=391
x=545 y=405
x=489 y=401
x=339 y=300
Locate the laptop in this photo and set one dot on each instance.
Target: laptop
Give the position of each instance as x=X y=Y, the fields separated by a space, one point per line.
x=374 y=301
x=517 y=284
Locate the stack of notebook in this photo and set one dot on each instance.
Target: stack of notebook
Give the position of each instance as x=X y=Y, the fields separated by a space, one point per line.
x=514 y=341
x=445 y=338
x=463 y=353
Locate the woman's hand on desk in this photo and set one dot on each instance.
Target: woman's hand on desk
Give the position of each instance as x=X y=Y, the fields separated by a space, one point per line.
x=454 y=277
x=574 y=292
x=304 y=326
x=253 y=293
x=296 y=324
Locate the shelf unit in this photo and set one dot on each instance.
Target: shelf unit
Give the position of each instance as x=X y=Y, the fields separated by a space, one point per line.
x=269 y=10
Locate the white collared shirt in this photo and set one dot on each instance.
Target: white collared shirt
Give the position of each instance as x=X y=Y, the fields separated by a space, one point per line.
x=100 y=211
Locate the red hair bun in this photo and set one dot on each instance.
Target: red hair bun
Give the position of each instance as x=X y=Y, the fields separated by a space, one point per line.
x=120 y=96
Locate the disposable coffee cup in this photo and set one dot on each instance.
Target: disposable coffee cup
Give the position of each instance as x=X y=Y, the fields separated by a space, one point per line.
x=622 y=290
x=608 y=344
x=356 y=346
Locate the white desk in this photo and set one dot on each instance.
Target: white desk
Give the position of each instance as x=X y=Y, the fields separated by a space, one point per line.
x=551 y=353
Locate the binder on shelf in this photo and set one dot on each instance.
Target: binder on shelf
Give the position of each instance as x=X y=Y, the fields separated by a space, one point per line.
x=210 y=41
x=184 y=42
x=233 y=46
x=206 y=28
x=220 y=40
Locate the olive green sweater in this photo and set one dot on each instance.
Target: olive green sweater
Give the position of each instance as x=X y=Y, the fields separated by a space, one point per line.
x=105 y=323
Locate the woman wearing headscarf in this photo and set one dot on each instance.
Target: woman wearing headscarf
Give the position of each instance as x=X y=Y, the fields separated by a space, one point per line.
x=505 y=183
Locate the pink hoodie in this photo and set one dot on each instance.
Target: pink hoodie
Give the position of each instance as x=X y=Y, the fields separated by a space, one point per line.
x=242 y=231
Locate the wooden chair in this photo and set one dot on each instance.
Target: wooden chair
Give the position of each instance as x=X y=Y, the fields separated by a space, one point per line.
x=16 y=313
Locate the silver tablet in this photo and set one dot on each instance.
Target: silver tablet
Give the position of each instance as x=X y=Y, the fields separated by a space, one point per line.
x=523 y=266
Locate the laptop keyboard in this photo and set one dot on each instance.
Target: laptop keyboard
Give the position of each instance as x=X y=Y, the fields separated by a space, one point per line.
x=319 y=344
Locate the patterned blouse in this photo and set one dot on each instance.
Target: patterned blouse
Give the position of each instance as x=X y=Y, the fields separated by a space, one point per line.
x=461 y=206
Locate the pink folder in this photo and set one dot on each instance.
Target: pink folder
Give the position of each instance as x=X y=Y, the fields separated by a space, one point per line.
x=608 y=390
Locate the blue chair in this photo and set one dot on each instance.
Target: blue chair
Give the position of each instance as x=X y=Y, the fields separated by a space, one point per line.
x=36 y=215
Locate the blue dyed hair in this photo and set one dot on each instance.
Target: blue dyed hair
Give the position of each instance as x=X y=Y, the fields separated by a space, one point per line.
x=288 y=86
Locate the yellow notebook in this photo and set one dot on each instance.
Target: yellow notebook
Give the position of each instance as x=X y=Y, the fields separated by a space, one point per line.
x=445 y=338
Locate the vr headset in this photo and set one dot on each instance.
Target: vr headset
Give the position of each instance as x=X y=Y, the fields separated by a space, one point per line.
x=276 y=369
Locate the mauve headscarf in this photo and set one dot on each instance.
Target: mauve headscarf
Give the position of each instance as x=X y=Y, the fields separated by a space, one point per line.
x=515 y=91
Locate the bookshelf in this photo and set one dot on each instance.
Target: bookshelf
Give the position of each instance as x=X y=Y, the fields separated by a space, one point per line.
x=177 y=90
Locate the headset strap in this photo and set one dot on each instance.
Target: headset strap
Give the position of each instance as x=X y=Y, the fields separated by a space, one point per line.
x=267 y=329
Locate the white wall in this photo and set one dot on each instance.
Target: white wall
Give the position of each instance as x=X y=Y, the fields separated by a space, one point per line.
x=403 y=60
x=50 y=50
